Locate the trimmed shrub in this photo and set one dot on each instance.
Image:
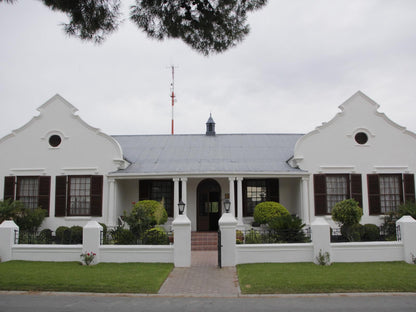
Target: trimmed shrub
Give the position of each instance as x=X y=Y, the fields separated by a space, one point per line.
x=63 y=235
x=76 y=234
x=371 y=232
x=123 y=236
x=352 y=233
x=347 y=212
x=288 y=229
x=155 y=236
x=45 y=236
x=407 y=209
x=266 y=211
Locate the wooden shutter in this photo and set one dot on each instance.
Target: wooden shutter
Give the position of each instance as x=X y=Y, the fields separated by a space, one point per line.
x=356 y=189
x=409 y=187
x=60 y=196
x=374 y=194
x=272 y=190
x=319 y=184
x=96 y=196
x=44 y=193
x=144 y=189
x=9 y=188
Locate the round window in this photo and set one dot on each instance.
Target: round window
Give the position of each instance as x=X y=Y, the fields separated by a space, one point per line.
x=361 y=138
x=55 y=140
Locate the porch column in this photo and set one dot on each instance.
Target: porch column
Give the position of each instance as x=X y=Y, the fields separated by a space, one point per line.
x=184 y=180
x=111 y=202
x=232 y=200
x=240 y=201
x=175 y=197
x=305 y=200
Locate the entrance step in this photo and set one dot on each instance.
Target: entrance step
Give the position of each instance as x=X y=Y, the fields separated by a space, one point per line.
x=204 y=240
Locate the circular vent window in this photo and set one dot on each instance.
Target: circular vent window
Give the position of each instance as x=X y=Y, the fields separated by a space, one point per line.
x=361 y=138
x=55 y=140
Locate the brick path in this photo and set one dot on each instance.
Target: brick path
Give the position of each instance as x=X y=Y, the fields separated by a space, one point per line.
x=202 y=279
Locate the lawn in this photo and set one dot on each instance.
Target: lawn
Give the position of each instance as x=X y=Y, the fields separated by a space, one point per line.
x=283 y=278
x=71 y=276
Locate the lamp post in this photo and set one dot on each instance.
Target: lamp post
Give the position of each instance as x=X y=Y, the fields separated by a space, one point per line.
x=181 y=206
x=227 y=205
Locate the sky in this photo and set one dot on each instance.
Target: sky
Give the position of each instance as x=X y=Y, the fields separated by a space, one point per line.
x=301 y=60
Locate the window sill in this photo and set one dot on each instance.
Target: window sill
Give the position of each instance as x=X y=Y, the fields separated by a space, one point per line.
x=78 y=218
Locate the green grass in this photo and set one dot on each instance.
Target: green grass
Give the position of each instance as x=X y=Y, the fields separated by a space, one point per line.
x=273 y=278
x=73 y=277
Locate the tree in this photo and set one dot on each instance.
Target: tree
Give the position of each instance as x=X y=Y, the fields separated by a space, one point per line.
x=208 y=26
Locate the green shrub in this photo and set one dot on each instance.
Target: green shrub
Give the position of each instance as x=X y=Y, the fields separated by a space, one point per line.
x=347 y=212
x=266 y=211
x=288 y=229
x=123 y=236
x=407 y=209
x=253 y=237
x=105 y=233
x=76 y=234
x=371 y=233
x=155 y=236
x=9 y=209
x=239 y=237
x=63 y=235
x=388 y=228
x=352 y=233
x=45 y=237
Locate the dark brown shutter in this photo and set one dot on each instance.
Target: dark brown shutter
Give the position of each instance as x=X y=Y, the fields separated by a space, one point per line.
x=409 y=187
x=272 y=190
x=44 y=193
x=60 y=196
x=144 y=189
x=356 y=189
x=319 y=184
x=96 y=196
x=373 y=194
x=9 y=189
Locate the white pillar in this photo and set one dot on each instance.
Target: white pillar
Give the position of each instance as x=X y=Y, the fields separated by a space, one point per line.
x=407 y=227
x=321 y=238
x=111 y=220
x=8 y=231
x=91 y=239
x=181 y=241
x=305 y=200
x=228 y=226
x=240 y=202
x=364 y=190
x=184 y=199
x=232 y=200
x=175 y=197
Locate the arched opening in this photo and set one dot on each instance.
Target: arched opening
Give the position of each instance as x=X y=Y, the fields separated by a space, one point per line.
x=209 y=205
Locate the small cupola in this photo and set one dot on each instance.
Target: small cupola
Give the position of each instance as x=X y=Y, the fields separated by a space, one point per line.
x=210 y=126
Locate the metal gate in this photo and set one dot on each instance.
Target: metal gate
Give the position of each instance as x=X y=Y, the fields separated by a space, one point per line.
x=219 y=245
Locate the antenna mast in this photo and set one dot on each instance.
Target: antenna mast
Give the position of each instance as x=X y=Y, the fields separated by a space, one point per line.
x=172 y=85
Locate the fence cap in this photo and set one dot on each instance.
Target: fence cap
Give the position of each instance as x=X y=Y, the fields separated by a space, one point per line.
x=9 y=224
x=93 y=225
x=406 y=219
x=319 y=221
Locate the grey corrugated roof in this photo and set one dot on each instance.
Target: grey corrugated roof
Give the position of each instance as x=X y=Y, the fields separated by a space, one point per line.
x=193 y=154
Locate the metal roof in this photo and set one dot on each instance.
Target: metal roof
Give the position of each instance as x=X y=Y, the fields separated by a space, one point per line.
x=202 y=154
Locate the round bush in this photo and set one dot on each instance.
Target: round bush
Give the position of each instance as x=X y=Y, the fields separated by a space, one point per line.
x=352 y=233
x=63 y=235
x=123 y=236
x=76 y=234
x=347 y=212
x=45 y=236
x=266 y=211
x=371 y=232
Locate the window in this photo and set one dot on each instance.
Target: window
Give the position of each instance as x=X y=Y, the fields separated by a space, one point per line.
x=55 y=140
x=361 y=138
x=158 y=190
x=387 y=191
x=32 y=191
x=330 y=189
x=78 y=196
x=256 y=191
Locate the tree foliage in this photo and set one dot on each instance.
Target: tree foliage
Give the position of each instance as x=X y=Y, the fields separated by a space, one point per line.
x=267 y=211
x=208 y=26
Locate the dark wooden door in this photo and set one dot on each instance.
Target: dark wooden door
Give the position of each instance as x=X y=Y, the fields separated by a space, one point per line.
x=209 y=205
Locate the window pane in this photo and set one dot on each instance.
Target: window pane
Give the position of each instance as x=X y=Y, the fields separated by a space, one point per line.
x=162 y=191
x=28 y=191
x=79 y=196
x=390 y=192
x=336 y=189
x=256 y=192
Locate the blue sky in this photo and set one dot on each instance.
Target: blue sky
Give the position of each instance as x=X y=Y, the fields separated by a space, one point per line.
x=301 y=60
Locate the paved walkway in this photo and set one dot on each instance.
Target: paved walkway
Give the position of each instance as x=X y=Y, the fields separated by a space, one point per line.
x=202 y=279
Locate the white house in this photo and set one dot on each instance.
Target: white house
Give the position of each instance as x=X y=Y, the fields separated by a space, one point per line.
x=77 y=173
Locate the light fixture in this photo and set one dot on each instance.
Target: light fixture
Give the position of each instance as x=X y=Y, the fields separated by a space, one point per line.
x=181 y=206
x=227 y=205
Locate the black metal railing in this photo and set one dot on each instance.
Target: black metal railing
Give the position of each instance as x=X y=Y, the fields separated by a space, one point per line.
x=268 y=236
x=359 y=234
x=122 y=236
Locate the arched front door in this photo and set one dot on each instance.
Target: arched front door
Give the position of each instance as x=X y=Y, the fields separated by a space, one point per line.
x=209 y=205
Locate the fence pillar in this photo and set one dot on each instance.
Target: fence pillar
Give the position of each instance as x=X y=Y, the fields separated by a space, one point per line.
x=228 y=226
x=91 y=239
x=407 y=227
x=8 y=231
x=181 y=241
x=321 y=238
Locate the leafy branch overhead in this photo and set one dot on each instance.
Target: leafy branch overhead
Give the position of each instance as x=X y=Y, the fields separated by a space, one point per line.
x=208 y=26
